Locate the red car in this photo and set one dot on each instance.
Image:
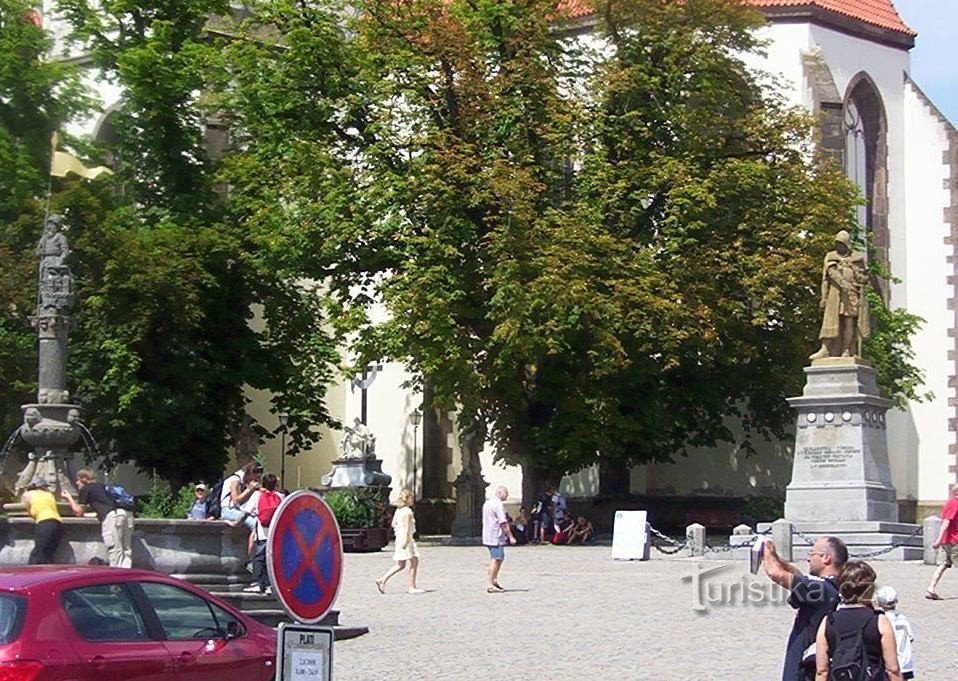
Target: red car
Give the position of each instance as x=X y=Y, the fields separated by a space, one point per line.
x=86 y=623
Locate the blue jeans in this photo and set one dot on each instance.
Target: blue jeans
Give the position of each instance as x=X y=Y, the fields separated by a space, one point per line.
x=497 y=552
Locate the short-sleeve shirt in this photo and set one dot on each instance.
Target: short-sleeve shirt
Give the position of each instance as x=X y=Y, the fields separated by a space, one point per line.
x=94 y=494
x=226 y=498
x=950 y=513
x=813 y=598
x=493 y=515
x=545 y=503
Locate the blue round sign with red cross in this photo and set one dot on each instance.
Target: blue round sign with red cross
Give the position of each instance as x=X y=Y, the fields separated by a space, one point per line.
x=304 y=556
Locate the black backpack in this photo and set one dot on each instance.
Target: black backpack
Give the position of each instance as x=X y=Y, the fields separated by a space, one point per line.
x=849 y=659
x=214 y=508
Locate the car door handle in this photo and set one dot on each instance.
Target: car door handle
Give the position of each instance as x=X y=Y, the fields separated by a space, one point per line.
x=187 y=658
x=98 y=662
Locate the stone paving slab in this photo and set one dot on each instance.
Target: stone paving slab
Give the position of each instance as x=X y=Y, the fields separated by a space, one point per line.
x=572 y=612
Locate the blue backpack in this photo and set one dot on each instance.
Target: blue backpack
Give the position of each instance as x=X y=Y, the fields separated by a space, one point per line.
x=121 y=498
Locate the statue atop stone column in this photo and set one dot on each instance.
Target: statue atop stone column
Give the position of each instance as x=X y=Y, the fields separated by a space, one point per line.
x=51 y=426
x=56 y=280
x=845 y=321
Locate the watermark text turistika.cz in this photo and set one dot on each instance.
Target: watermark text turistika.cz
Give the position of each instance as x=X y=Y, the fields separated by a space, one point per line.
x=711 y=589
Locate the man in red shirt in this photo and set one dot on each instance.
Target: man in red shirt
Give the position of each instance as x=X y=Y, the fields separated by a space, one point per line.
x=945 y=543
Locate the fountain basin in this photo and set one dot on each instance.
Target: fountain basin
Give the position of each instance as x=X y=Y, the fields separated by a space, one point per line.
x=50 y=426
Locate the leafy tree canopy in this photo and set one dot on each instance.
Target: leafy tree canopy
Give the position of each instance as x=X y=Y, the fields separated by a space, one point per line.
x=180 y=310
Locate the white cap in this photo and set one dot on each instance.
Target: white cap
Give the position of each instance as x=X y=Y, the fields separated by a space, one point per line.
x=887 y=597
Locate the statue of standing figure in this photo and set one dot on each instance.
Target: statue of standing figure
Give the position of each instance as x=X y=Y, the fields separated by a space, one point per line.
x=56 y=280
x=358 y=442
x=845 y=322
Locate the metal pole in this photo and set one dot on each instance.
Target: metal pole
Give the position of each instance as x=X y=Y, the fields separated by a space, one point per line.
x=415 y=457
x=282 y=458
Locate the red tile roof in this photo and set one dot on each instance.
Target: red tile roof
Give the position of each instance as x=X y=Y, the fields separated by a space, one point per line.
x=881 y=13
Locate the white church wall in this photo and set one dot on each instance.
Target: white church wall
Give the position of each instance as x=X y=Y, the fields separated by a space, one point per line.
x=926 y=439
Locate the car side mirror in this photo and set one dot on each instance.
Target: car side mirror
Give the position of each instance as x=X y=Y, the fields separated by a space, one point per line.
x=234 y=630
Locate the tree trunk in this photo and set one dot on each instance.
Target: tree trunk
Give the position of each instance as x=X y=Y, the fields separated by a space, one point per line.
x=534 y=481
x=614 y=479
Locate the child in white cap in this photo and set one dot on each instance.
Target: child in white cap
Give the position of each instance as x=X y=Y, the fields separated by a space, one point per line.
x=886 y=598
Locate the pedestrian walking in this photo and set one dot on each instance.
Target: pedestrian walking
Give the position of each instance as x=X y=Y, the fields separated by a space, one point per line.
x=41 y=505
x=496 y=532
x=404 y=527
x=945 y=543
x=116 y=524
x=887 y=600
x=856 y=641
x=813 y=596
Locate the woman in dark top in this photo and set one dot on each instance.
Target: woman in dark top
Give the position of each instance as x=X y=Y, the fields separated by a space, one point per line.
x=856 y=586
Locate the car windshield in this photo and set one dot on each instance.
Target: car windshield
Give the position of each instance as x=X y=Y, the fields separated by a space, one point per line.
x=12 y=611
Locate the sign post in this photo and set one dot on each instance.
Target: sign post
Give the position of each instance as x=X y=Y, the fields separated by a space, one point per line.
x=304 y=558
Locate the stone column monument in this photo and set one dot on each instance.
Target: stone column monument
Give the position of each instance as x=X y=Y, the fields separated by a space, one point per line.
x=51 y=426
x=469 y=484
x=841 y=481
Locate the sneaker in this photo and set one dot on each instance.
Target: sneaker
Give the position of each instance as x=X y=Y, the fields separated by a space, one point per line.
x=251 y=589
x=417 y=591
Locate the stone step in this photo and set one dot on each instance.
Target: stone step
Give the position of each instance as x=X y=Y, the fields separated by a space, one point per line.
x=800 y=554
x=853 y=539
x=840 y=528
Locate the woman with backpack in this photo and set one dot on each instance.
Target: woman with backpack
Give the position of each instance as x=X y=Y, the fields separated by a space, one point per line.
x=264 y=502
x=858 y=641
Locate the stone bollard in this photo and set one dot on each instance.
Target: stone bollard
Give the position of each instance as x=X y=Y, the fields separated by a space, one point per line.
x=695 y=535
x=930 y=528
x=782 y=536
x=741 y=529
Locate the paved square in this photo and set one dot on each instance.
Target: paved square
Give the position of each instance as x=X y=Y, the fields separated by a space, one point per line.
x=573 y=612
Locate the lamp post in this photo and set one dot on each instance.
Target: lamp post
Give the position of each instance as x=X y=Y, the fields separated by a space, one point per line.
x=415 y=418
x=284 y=421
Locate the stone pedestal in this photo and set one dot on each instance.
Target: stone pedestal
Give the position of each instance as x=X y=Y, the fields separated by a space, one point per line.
x=357 y=473
x=470 y=496
x=841 y=481
x=840 y=471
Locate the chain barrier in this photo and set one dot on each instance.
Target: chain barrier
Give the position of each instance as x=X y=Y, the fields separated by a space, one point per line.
x=888 y=549
x=678 y=546
x=805 y=538
x=673 y=547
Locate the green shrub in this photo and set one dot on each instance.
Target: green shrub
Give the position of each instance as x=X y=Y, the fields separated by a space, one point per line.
x=357 y=507
x=160 y=502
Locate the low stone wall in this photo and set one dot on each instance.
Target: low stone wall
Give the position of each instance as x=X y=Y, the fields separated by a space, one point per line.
x=180 y=547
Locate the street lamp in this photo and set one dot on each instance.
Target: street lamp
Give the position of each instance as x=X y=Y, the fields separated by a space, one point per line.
x=415 y=418
x=284 y=421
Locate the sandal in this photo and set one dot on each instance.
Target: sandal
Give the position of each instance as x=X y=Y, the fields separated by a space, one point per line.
x=381 y=587
x=932 y=596
x=495 y=589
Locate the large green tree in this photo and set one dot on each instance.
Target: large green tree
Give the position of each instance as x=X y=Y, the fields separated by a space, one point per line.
x=594 y=251
x=180 y=308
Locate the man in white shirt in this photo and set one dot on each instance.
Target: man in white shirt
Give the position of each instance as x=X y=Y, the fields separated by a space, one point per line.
x=495 y=533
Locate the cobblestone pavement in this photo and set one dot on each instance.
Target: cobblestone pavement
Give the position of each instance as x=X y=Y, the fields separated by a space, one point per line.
x=573 y=613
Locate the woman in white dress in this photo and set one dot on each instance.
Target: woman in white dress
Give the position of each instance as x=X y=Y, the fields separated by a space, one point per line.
x=404 y=527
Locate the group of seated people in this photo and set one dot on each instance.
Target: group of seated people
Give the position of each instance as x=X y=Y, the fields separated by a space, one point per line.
x=564 y=531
